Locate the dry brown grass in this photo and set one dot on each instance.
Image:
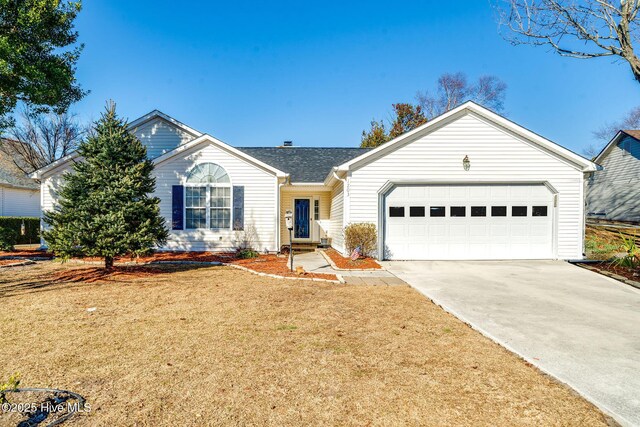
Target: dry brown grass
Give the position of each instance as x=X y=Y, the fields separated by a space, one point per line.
x=216 y=346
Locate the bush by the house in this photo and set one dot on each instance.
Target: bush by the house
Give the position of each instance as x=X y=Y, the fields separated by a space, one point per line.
x=8 y=238
x=632 y=257
x=247 y=253
x=31 y=228
x=245 y=241
x=361 y=235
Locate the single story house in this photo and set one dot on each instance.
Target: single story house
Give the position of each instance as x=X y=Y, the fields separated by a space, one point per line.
x=468 y=184
x=614 y=193
x=19 y=194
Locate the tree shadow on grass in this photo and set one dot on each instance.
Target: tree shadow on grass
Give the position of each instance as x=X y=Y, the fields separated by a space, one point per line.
x=78 y=277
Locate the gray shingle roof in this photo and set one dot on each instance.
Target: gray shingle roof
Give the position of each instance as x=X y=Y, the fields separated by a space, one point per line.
x=304 y=164
x=10 y=174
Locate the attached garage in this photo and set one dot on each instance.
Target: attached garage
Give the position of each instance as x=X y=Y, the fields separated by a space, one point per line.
x=469 y=185
x=469 y=221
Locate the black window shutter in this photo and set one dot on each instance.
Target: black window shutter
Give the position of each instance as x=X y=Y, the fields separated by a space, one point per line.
x=238 y=207
x=177 y=195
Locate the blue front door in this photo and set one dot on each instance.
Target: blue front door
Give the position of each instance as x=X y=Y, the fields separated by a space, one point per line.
x=301 y=230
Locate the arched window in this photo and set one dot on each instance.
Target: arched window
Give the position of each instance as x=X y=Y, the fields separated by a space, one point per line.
x=208 y=197
x=208 y=173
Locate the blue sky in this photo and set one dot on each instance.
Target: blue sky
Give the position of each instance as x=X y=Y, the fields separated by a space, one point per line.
x=258 y=73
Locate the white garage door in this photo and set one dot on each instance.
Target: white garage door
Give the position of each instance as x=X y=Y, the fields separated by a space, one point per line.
x=468 y=222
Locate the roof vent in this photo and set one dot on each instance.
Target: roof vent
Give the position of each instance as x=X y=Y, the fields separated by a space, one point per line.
x=287 y=144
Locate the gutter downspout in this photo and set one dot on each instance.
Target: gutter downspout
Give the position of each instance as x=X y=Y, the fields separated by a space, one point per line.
x=287 y=180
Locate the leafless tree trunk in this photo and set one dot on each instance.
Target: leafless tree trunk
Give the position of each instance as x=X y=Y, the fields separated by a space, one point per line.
x=576 y=28
x=40 y=139
x=454 y=89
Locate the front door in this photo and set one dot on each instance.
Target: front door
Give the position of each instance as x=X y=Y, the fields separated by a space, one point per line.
x=302 y=216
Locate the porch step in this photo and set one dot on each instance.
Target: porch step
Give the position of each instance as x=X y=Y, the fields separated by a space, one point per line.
x=304 y=247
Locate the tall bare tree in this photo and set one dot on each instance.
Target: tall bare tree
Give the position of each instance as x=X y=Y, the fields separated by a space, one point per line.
x=40 y=139
x=576 y=28
x=453 y=89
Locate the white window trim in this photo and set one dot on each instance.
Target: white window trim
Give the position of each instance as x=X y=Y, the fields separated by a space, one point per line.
x=208 y=207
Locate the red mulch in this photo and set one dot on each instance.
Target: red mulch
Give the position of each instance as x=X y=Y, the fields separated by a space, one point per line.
x=27 y=254
x=270 y=264
x=629 y=273
x=347 y=263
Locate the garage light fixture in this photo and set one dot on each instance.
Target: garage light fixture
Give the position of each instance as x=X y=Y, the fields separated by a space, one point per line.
x=466 y=163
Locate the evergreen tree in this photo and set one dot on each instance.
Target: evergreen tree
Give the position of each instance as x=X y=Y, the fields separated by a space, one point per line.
x=377 y=135
x=104 y=208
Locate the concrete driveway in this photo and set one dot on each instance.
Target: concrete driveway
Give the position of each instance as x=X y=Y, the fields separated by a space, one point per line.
x=579 y=326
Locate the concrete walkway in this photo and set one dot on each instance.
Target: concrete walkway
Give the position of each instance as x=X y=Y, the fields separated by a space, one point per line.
x=579 y=326
x=314 y=262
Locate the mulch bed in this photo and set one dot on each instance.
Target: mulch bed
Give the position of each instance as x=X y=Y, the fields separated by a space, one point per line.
x=26 y=254
x=629 y=273
x=272 y=264
x=269 y=264
x=348 y=264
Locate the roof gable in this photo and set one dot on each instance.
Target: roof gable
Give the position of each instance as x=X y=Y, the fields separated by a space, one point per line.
x=470 y=107
x=208 y=139
x=618 y=137
x=155 y=114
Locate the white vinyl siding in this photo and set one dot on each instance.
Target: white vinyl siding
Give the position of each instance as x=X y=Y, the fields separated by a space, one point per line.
x=160 y=137
x=19 y=202
x=260 y=198
x=336 y=228
x=614 y=192
x=496 y=155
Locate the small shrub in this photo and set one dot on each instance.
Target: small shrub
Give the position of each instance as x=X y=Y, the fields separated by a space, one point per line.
x=361 y=235
x=632 y=257
x=247 y=253
x=8 y=238
x=246 y=239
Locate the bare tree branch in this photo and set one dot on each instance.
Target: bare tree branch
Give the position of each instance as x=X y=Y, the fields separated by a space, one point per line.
x=40 y=139
x=575 y=28
x=454 y=89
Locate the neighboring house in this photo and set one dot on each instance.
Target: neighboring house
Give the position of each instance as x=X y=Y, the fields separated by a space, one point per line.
x=614 y=193
x=519 y=196
x=19 y=194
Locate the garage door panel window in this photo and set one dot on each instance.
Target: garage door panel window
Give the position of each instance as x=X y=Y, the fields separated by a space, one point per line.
x=539 y=211
x=416 y=211
x=478 y=211
x=396 y=211
x=437 y=211
x=518 y=211
x=498 y=211
x=458 y=211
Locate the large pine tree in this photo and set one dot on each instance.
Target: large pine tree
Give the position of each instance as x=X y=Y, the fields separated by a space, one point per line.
x=104 y=206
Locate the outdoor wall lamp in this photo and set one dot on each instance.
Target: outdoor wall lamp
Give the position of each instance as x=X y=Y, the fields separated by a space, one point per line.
x=466 y=163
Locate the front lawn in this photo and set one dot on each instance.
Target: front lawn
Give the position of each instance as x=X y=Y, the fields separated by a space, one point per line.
x=193 y=345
